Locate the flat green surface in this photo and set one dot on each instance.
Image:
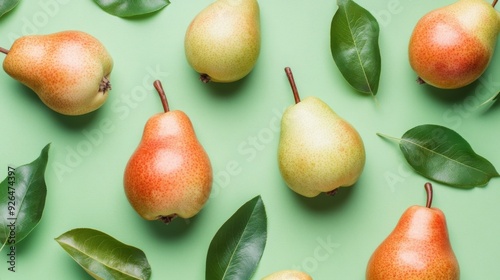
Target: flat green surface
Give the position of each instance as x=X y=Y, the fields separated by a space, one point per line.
x=328 y=237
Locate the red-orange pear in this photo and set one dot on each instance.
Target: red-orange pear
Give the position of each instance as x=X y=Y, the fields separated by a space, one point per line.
x=170 y=173
x=417 y=249
x=68 y=70
x=452 y=46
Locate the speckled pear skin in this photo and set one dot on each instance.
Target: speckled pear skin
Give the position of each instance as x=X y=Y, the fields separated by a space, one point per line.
x=169 y=174
x=318 y=151
x=69 y=70
x=452 y=46
x=288 y=275
x=222 y=43
x=417 y=249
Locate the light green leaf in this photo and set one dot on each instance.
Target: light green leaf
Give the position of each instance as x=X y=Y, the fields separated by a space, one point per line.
x=354 y=45
x=22 y=199
x=236 y=249
x=7 y=5
x=129 y=8
x=104 y=257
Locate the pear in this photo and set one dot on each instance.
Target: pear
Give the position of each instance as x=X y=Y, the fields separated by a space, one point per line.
x=69 y=70
x=170 y=173
x=222 y=43
x=288 y=275
x=318 y=151
x=452 y=46
x=418 y=247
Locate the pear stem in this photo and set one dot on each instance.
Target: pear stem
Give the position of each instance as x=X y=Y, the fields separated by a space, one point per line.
x=494 y=3
x=428 y=190
x=5 y=51
x=163 y=96
x=289 y=74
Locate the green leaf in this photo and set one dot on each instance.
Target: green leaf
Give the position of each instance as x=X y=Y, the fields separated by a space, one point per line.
x=7 y=5
x=236 y=249
x=354 y=45
x=22 y=199
x=440 y=154
x=104 y=257
x=129 y=8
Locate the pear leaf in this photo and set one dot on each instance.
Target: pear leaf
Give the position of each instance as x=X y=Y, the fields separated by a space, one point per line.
x=22 y=199
x=354 y=45
x=237 y=247
x=441 y=154
x=130 y=8
x=7 y=5
x=104 y=257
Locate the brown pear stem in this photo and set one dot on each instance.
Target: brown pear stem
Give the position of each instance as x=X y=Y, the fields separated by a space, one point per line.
x=5 y=51
x=494 y=3
x=163 y=96
x=289 y=74
x=428 y=189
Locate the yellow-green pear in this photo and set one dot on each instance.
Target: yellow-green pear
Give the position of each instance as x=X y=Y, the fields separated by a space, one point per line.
x=318 y=150
x=452 y=46
x=288 y=275
x=68 y=70
x=222 y=43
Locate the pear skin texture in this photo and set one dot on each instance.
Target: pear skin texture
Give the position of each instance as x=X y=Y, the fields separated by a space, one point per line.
x=169 y=172
x=318 y=151
x=417 y=248
x=288 y=275
x=223 y=40
x=452 y=46
x=64 y=69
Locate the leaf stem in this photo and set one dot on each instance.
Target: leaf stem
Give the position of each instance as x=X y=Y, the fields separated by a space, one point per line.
x=289 y=75
x=493 y=98
x=163 y=97
x=389 y=137
x=5 y=51
x=3 y=245
x=428 y=190
x=494 y=3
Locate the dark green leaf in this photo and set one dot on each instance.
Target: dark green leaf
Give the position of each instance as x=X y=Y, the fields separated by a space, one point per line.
x=354 y=37
x=104 y=257
x=439 y=153
x=22 y=198
x=236 y=249
x=129 y=8
x=7 y=5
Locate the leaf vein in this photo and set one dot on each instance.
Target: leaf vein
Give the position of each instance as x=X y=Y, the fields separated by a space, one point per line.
x=358 y=55
x=444 y=156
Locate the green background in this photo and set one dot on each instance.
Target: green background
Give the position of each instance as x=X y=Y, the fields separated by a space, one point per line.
x=328 y=237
